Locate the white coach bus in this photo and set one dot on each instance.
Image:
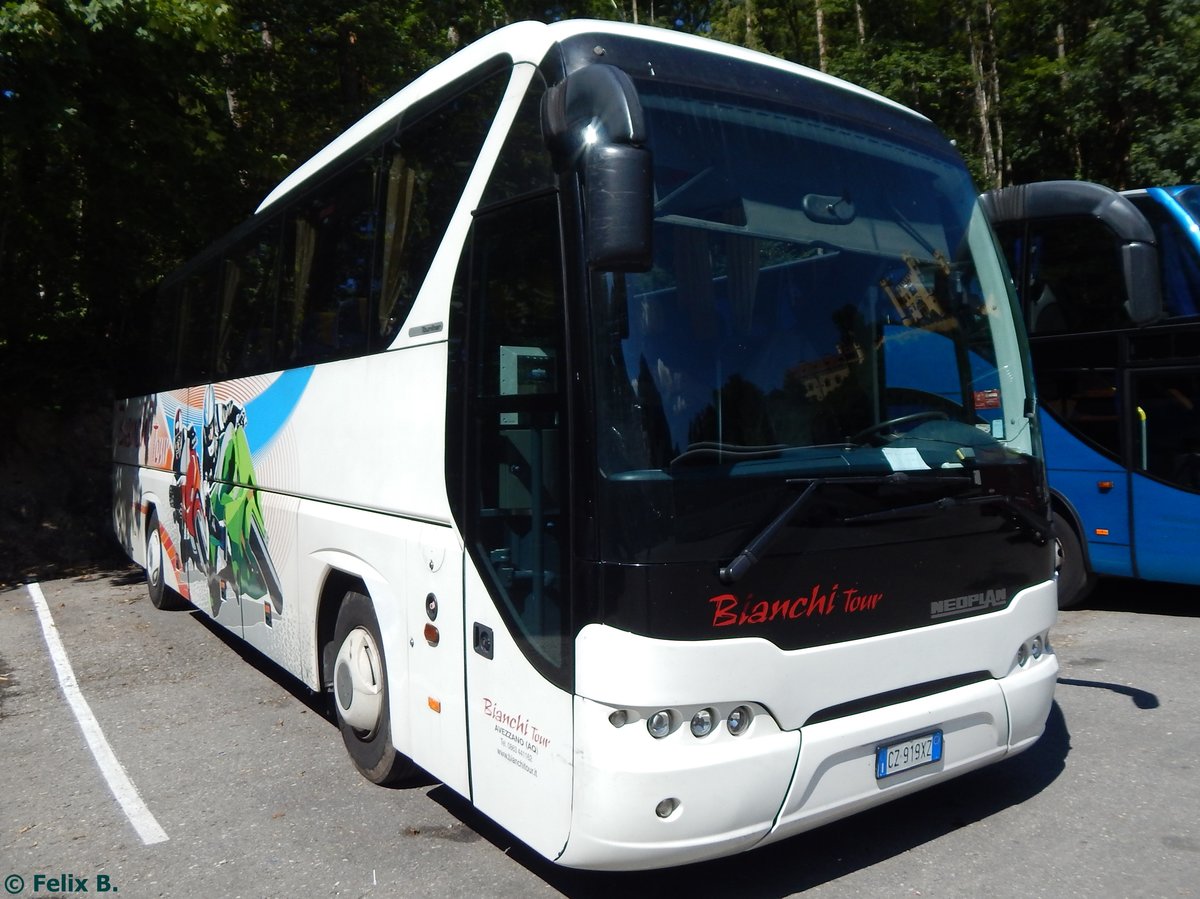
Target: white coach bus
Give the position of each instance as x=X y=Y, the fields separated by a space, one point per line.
x=632 y=431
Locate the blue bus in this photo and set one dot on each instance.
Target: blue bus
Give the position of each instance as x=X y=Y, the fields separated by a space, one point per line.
x=1109 y=283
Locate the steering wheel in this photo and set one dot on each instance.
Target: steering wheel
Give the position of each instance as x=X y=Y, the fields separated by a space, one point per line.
x=913 y=418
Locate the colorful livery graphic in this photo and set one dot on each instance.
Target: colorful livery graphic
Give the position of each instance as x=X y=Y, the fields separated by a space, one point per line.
x=610 y=415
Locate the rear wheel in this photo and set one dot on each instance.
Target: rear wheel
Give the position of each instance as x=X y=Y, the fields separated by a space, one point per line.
x=1075 y=581
x=162 y=596
x=360 y=694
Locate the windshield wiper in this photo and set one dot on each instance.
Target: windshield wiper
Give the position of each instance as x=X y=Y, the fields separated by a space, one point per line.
x=758 y=546
x=1039 y=527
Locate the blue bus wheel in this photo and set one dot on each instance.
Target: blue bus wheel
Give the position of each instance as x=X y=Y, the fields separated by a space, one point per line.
x=1075 y=581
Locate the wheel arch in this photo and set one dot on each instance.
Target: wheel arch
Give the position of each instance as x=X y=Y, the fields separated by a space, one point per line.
x=335 y=586
x=340 y=574
x=148 y=506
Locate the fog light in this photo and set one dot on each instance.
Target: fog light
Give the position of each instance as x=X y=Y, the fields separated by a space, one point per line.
x=659 y=724
x=666 y=808
x=738 y=721
x=1035 y=647
x=702 y=723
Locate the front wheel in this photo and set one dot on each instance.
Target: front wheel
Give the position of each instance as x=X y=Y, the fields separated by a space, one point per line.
x=360 y=694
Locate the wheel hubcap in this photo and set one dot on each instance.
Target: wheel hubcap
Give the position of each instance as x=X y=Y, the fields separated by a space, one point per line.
x=358 y=681
x=154 y=558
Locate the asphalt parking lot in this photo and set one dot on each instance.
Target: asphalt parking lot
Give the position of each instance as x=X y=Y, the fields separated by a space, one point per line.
x=246 y=780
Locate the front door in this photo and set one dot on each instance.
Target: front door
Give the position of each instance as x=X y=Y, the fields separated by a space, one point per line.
x=513 y=513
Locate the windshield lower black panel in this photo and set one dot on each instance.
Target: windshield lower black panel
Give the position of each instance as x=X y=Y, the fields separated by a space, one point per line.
x=830 y=584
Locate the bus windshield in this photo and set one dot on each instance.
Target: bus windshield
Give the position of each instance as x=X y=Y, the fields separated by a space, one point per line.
x=824 y=298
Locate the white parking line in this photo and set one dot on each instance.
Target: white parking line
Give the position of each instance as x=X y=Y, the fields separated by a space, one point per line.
x=114 y=774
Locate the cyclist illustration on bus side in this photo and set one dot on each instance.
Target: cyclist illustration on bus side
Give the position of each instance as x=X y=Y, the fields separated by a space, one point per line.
x=237 y=533
x=186 y=497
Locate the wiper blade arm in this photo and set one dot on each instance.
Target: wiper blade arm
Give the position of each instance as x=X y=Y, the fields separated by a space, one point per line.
x=755 y=549
x=1026 y=517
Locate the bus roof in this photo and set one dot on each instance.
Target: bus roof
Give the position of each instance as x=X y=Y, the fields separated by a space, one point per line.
x=529 y=42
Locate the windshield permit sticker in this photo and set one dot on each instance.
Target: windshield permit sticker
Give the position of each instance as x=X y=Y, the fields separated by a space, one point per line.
x=730 y=610
x=987 y=399
x=904 y=458
x=972 y=602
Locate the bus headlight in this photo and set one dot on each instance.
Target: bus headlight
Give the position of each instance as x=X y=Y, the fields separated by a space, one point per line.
x=659 y=724
x=1033 y=649
x=702 y=723
x=738 y=721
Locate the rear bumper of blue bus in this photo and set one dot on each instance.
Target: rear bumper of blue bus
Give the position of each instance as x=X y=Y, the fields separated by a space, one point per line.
x=641 y=802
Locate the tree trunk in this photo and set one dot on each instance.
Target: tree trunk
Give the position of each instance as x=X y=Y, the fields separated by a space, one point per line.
x=822 y=45
x=994 y=88
x=982 y=108
x=1060 y=40
x=752 y=40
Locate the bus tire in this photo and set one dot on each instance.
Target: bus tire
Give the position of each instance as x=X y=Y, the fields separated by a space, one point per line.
x=1075 y=580
x=161 y=596
x=360 y=694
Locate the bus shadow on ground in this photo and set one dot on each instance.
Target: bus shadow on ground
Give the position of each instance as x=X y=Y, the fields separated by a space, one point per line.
x=1114 y=594
x=818 y=856
x=316 y=702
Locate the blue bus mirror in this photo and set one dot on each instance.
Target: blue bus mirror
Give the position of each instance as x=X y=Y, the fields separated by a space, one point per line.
x=1143 y=287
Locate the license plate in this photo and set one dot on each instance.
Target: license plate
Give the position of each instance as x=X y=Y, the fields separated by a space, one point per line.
x=911 y=753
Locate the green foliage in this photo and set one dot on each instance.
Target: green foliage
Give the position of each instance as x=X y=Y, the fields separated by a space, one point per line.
x=133 y=131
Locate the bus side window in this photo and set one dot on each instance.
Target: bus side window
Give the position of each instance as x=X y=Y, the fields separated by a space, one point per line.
x=424 y=172
x=247 y=307
x=195 y=325
x=333 y=262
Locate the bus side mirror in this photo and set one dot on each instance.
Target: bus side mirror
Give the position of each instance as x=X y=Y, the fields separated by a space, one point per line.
x=618 y=186
x=1143 y=287
x=594 y=124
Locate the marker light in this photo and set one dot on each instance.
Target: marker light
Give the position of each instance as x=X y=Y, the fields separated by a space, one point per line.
x=666 y=808
x=1035 y=647
x=738 y=721
x=702 y=723
x=619 y=718
x=1022 y=654
x=659 y=724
